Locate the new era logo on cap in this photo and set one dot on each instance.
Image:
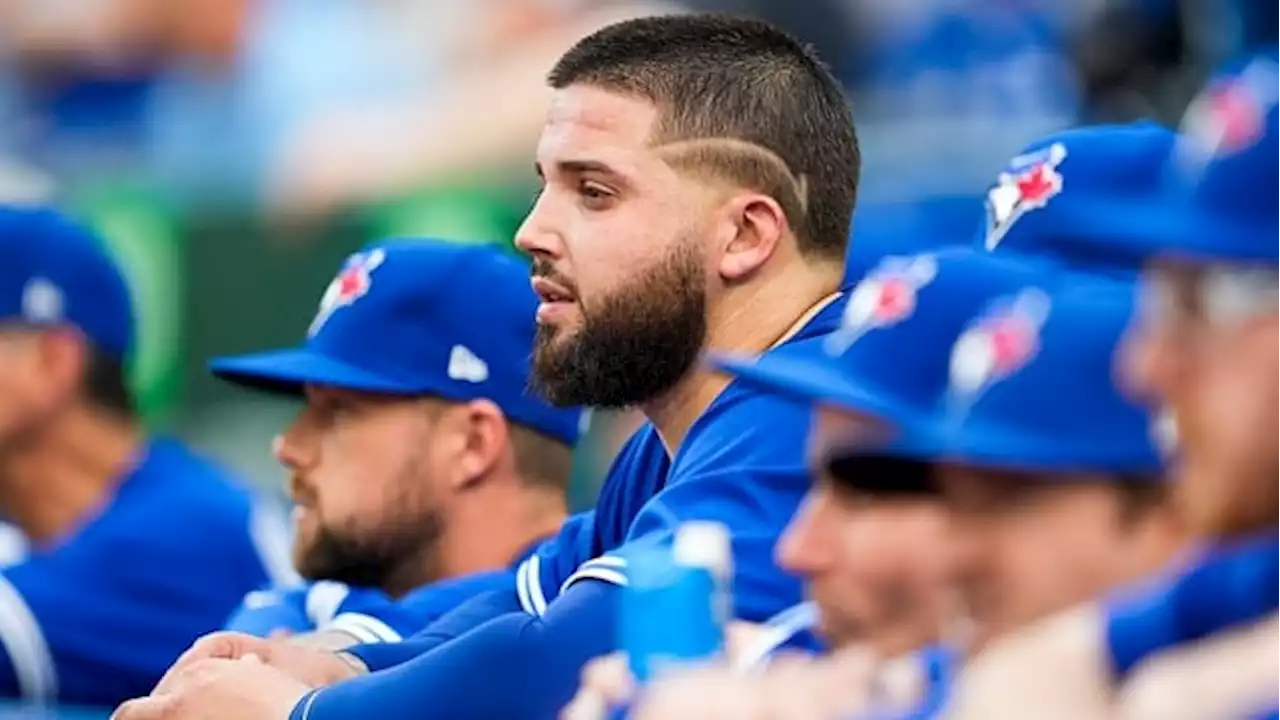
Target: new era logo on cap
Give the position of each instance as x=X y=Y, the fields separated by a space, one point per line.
x=42 y=302
x=465 y=366
x=352 y=283
x=1031 y=181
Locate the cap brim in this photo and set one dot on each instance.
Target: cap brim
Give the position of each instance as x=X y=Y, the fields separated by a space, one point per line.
x=979 y=444
x=286 y=372
x=807 y=380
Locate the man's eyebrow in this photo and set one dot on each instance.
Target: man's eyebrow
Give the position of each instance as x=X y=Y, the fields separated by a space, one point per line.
x=584 y=166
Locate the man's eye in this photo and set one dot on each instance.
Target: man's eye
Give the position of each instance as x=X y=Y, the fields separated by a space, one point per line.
x=594 y=195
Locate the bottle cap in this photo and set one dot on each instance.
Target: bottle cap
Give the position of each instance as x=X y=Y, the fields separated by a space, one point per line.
x=704 y=544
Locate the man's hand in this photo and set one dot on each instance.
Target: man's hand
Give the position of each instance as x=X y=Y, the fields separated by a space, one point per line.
x=217 y=688
x=314 y=667
x=606 y=683
x=791 y=687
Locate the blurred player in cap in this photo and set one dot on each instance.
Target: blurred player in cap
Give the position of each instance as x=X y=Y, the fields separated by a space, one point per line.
x=699 y=176
x=1049 y=502
x=420 y=457
x=1201 y=644
x=1071 y=189
x=136 y=545
x=869 y=539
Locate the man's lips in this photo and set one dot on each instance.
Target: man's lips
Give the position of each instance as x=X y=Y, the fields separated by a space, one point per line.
x=549 y=291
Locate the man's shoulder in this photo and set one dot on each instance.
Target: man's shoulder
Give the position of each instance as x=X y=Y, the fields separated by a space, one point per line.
x=745 y=406
x=172 y=464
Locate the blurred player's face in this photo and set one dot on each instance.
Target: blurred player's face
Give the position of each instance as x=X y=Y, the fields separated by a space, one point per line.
x=617 y=239
x=1205 y=348
x=873 y=562
x=364 y=479
x=40 y=373
x=1024 y=547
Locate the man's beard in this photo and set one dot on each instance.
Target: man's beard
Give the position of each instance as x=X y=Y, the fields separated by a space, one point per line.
x=394 y=554
x=636 y=345
x=365 y=561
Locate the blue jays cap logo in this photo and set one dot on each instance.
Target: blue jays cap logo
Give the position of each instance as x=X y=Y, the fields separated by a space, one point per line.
x=886 y=297
x=350 y=284
x=1230 y=114
x=1030 y=182
x=998 y=344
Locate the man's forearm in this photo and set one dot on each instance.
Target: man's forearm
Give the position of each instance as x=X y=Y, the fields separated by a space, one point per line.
x=463 y=619
x=515 y=666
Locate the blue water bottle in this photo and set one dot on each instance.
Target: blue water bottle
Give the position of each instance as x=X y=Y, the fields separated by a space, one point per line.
x=677 y=601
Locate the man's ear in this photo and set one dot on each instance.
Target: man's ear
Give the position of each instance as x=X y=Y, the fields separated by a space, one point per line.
x=61 y=364
x=753 y=228
x=485 y=439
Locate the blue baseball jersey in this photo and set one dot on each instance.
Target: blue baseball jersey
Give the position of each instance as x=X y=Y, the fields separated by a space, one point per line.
x=98 y=616
x=367 y=614
x=637 y=473
x=1234 y=583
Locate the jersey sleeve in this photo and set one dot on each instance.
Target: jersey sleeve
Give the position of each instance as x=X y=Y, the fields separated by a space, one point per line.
x=1231 y=586
x=27 y=667
x=371 y=617
x=637 y=473
x=744 y=468
x=264 y=612
x=539 y=577
x=514 y=666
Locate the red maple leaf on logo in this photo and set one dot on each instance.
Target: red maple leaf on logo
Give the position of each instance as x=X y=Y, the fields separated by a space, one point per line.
x=1234 y=113
x=896 y=299
x=352 y=282
x=1012 y=344
x=1038 y=184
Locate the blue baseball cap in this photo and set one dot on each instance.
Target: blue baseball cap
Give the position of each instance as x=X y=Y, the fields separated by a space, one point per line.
x=419 y=318
x=1031 y=387
x=1220 y=184
x=906 y=228
x=55 y=272
x=1076 y=189
x=889 y=357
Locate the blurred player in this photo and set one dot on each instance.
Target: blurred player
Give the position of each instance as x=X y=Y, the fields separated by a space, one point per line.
x=1201 y=644
x=419 y=459
x=1050 y=502
x=1064 y=184
x=136 y=546
x=869 y=538
x=699 y=176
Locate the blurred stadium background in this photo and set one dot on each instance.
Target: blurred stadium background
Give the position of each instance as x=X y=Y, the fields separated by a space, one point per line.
x=233 y=151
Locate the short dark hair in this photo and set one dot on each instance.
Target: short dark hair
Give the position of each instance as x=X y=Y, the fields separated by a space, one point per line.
x=1139 y=497
x=726 y=78
x=541 y=460
x=106 y=384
